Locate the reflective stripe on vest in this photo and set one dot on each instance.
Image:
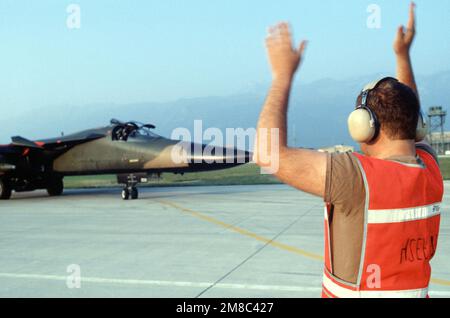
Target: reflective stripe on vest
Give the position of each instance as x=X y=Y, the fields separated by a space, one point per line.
x=401 y=227
x=403 y=215
x=335 y=290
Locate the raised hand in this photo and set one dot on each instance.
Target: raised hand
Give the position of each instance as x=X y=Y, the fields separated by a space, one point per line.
x=402 y=45
x=283 y=57
x=405 y=38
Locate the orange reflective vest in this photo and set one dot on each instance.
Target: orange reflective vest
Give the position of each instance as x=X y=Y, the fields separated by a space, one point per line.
x=401 y=227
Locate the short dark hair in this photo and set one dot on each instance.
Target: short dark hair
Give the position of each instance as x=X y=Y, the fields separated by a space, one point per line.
x=397 y=108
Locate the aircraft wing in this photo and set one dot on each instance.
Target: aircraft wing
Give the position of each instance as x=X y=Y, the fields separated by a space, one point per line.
x=21 y=147
x=52 y=148
x=54 y=144
x=18 y=141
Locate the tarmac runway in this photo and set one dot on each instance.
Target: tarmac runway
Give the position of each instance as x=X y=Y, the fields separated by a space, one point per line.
x=227 y=241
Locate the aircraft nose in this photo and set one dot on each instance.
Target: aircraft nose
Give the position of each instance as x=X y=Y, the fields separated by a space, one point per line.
x=219 y=156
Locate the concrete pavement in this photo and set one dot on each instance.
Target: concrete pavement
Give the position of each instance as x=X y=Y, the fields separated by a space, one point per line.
x=227 y=241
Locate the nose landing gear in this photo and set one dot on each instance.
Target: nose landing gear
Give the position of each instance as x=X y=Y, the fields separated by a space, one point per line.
x=131 y=181
x=130 y=192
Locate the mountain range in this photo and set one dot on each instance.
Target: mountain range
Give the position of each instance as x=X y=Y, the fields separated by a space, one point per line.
x=317 y=115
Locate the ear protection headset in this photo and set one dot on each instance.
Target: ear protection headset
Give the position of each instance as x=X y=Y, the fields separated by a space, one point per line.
x=363 y=124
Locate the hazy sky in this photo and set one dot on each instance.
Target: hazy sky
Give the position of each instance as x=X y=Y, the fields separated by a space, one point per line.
x=131 y=51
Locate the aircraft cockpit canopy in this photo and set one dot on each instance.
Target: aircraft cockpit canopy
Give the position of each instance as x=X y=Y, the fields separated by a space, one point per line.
x=133 y=129
x=144 y=130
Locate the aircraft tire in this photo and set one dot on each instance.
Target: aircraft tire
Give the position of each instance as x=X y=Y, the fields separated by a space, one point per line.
x=55 y=187
x=5 y=190
x=134 y=193
x=125 y=194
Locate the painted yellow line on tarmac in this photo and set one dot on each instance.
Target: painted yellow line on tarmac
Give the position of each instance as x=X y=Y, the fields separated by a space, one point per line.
x=257 y=237
x=243 y=231
x=438 y=281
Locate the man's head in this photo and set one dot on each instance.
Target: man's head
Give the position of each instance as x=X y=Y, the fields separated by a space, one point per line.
x=396 y=108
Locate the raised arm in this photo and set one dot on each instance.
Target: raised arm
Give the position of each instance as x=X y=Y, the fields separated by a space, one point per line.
x=402 y=46
x=405 y=74
x=301 y=168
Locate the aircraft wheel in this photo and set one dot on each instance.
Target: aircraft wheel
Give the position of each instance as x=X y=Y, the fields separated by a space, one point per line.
x=5 y=190
x=134 y=193
x=125 y=194
x=55 y=187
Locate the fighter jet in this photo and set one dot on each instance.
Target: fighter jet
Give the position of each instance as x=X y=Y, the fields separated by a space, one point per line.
x=130 y=150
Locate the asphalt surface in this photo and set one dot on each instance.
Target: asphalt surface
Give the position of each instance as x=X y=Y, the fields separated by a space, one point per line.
x=227 y=241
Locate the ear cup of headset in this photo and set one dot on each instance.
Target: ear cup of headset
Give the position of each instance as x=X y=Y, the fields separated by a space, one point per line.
x=422 y=129
x=361 y=125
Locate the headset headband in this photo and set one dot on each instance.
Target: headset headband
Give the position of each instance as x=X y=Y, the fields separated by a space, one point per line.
x=374 y=84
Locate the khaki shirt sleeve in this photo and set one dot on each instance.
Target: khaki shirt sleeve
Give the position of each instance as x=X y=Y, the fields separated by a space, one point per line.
x=344 y=183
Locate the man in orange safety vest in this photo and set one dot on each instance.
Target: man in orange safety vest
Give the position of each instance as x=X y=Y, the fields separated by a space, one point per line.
x=382 y=206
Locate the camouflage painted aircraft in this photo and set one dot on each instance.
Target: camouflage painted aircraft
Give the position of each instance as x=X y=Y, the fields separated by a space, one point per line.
x=129 y=150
